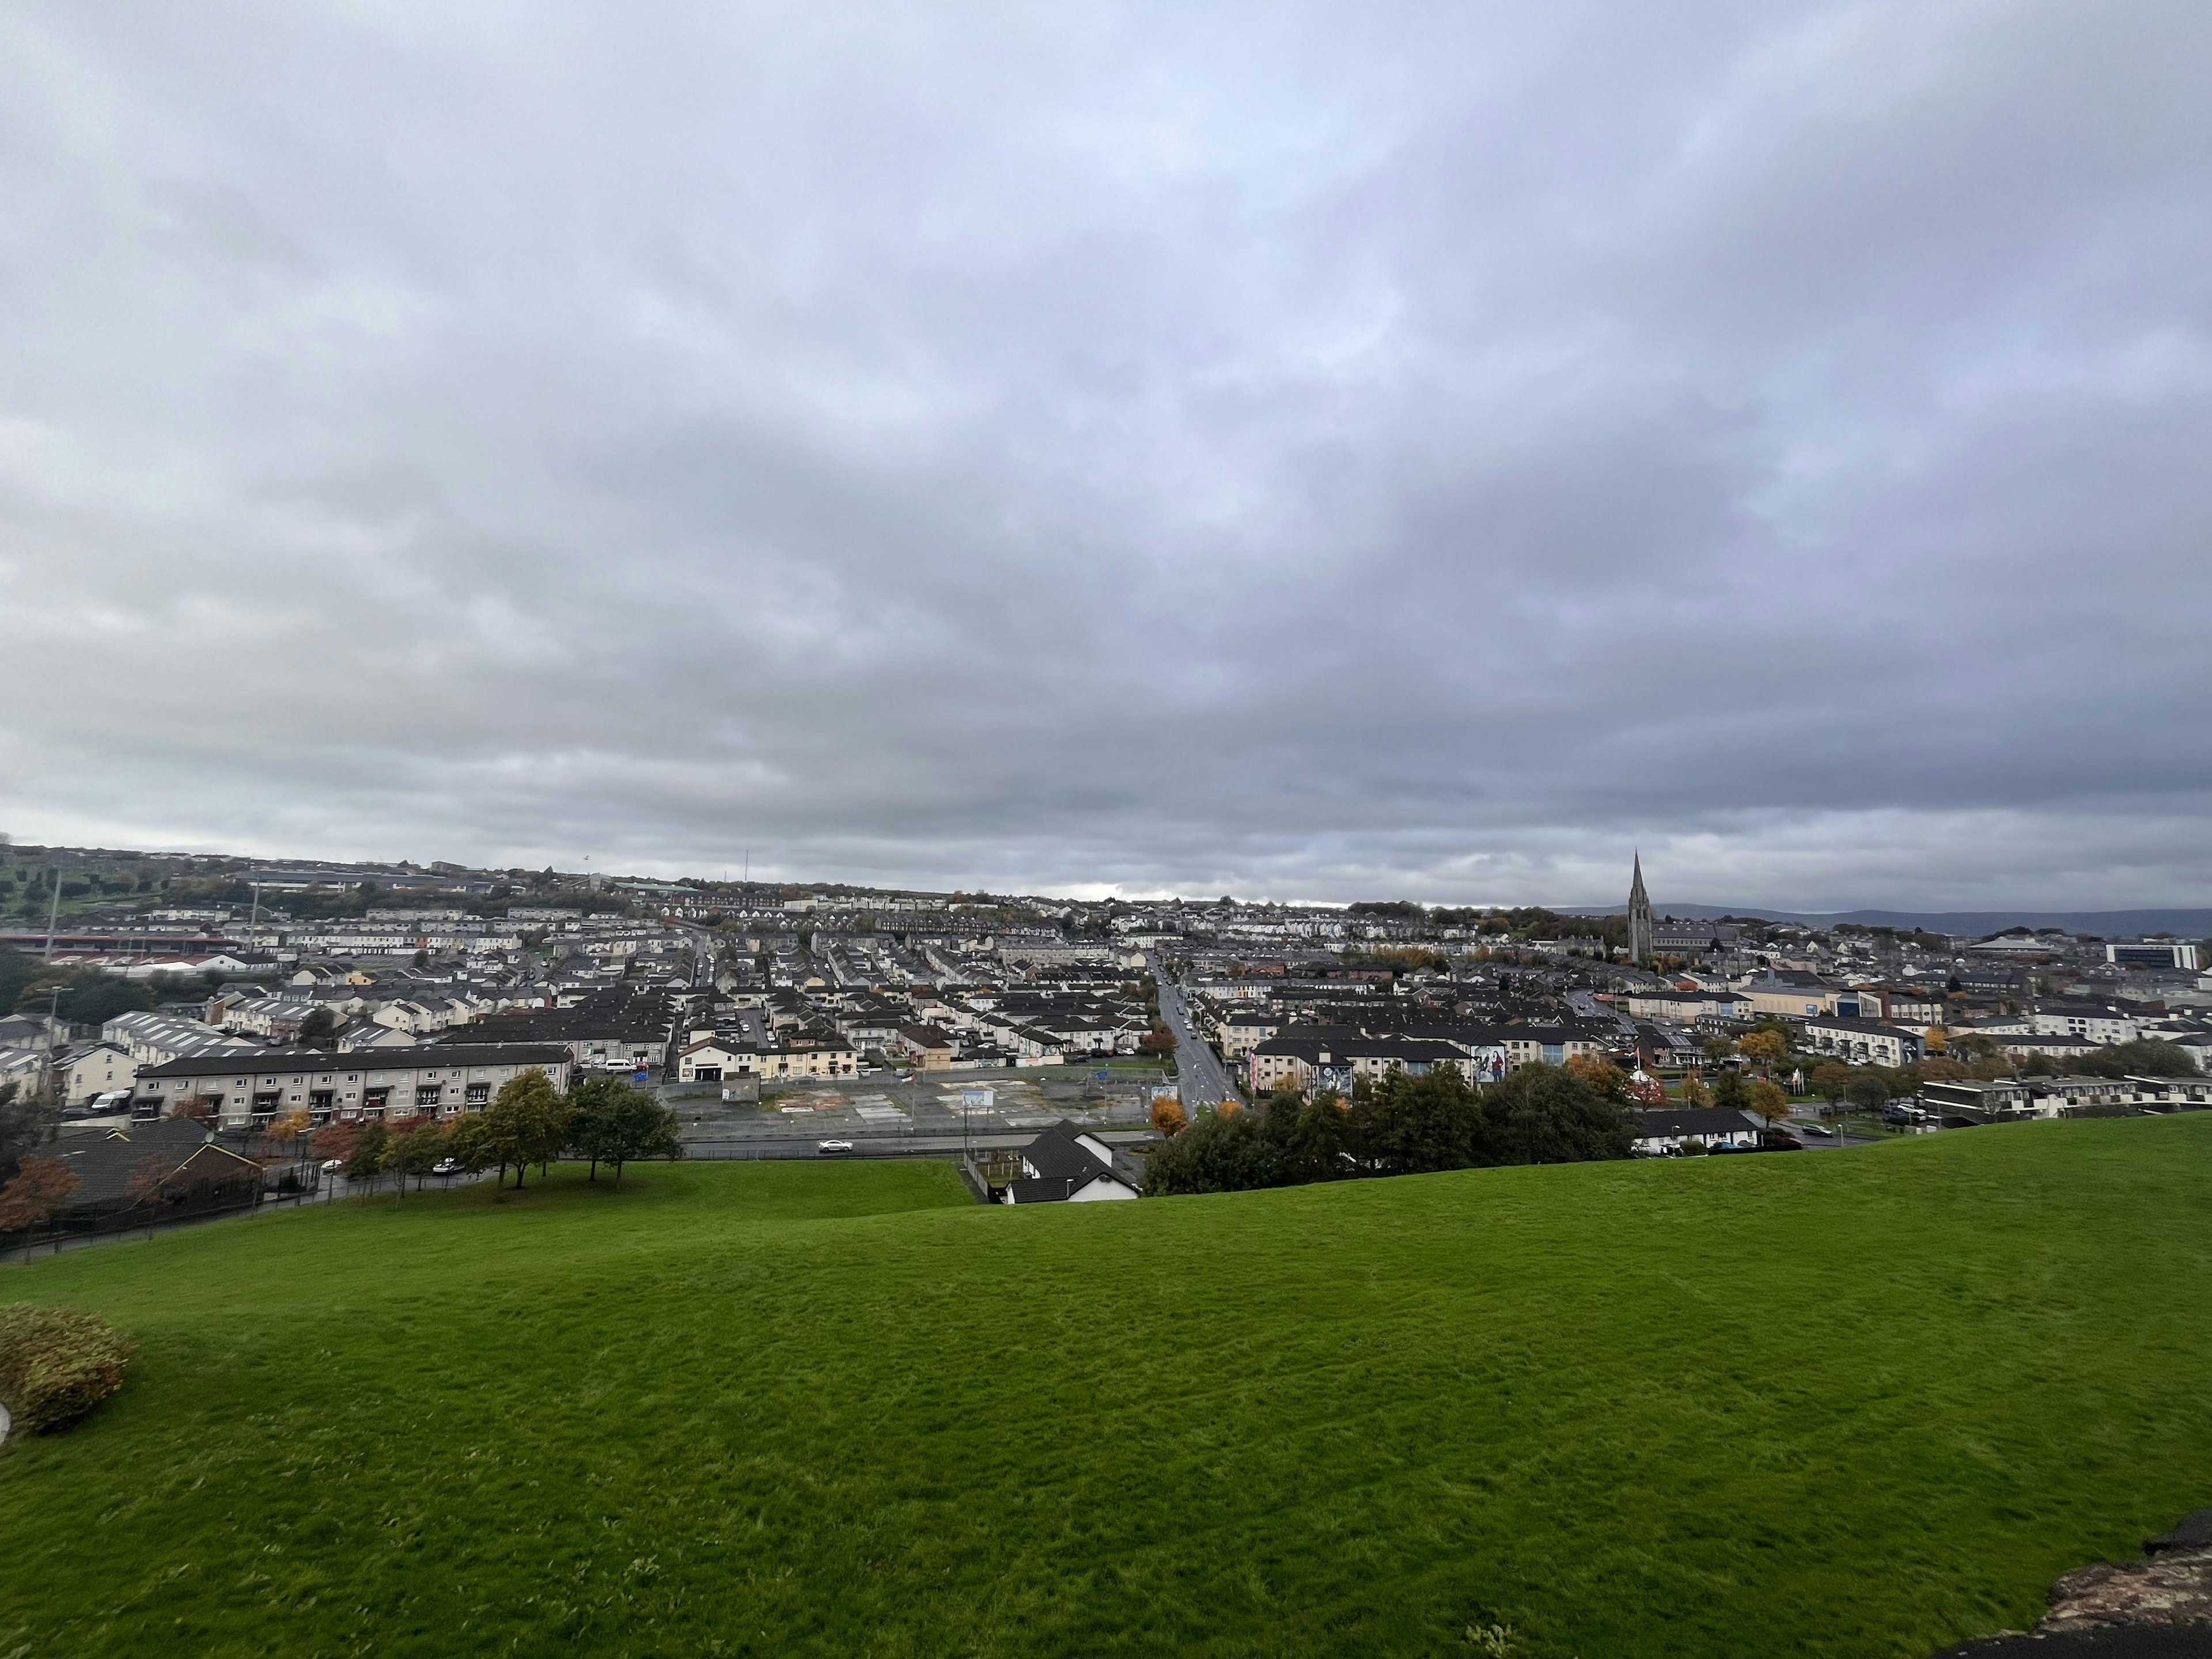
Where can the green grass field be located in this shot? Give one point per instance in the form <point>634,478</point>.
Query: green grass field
<point>1858,1404</point>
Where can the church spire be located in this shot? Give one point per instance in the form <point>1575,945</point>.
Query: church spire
<point>1640,916</point>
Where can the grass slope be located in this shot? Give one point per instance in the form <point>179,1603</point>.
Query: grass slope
<point>1858,1404</point>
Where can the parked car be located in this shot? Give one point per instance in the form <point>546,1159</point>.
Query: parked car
<point>831,1146</point>
<point>444,1166</point>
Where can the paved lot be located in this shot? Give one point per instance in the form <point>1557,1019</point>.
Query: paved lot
<point>937,1110</point>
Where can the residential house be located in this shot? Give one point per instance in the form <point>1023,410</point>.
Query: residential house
<point>147,1171</point>
<point>1664,1131</point>
<point>2101,1022</point>
<point>1866,1041</point>
<point>96,1069</point>
<point>929,1048</point>
<point>430,1079</point>
<point>1066,1165</point>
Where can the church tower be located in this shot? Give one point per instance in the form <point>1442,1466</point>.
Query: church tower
<point>1639,918</point>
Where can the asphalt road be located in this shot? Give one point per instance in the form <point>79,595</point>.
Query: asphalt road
<point>879,1146</point>
<point>1205,1084</point>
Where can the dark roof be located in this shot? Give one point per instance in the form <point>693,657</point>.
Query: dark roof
<point>107,1164</point>
<point>1056,1153</point>
<point>1868,1027</point>
<point>248,1062</point>
<point>1054,1189</point>
<point>1696,1121</point>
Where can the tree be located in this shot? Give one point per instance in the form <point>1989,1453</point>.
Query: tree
<point>336,1140</point>
<point>320,1030</point>
<point>2146,1057</point>
<point>416,1150</point>
<point>616,1121</point>
<point>292,1126</point>
<point>1418,1125</point>
<point>1221,1151</point>
<point>1766,1046</point>
<point>26,1121</point>
<point>1540,1115</point>
<point>371,1150</point>
<point>37,1191</point>
<point>1718,1048</point>
<point>1169,1117</point>
<point>1315,1139</point>
<point>1649,1092</point>
<point>1832,1080</point>
<point>467,1142</point>
<point>1694,1092</point>
<point>1768,1100</point>
<point>528,1123</point>
<point>1867,1091</point>
<point>1731,1093</point>
<point>1601,1074</point>
<point>89,997</point>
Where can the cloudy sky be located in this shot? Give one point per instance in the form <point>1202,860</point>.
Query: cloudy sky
<point>1327,451</point>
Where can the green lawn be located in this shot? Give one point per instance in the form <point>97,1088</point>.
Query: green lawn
<point>1858,1404</point>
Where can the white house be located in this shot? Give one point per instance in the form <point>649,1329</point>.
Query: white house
<point>1065,1165</point>
<point>1665,1130</point>
<point>1867,1042</point>
<point>2094,1021</point>
<point>712,1060</point>
<point>97,1069</point>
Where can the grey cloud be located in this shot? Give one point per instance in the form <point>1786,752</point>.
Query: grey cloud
<point>1289,449</point>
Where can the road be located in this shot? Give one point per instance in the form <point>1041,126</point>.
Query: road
<point>1205,1084</point>
<point>883,1145</point>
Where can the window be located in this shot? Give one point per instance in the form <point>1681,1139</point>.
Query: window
<point>479,1094</point>
<point>428,1094</point>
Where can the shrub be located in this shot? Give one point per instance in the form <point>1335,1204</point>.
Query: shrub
<point>56,1364</point>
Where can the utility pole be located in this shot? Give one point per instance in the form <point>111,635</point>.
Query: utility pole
<point>53,912</point>
<point>53,1016</point>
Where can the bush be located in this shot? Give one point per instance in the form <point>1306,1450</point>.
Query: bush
<point>56,1364</point>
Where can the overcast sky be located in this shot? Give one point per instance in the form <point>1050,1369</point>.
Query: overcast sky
<point>1365,451</point>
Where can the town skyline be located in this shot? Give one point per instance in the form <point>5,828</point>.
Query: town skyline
<point>1251,450</point>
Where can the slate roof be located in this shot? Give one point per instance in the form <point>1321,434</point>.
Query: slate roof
<point>1056,1153</point>
<point>261,1061</point>
<point>106,1163</point>
<point>1695,1121</point>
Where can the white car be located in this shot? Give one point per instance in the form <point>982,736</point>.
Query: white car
<point>831,1147</point>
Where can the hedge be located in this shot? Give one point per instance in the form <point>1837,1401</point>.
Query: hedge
<point>56,1364</point>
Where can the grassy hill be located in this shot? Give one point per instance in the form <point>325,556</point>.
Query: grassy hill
<point>1853,1404</point>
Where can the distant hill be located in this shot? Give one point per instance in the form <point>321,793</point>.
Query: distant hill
<point>2106,924</point>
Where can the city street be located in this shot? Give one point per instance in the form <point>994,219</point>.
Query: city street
<point>1206,1084</point>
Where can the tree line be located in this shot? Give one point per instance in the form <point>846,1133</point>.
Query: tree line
<point>601,1121</point>
<point>1401,1124</point>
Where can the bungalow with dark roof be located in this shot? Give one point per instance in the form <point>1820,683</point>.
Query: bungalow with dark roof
<point>1067,1165</point>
